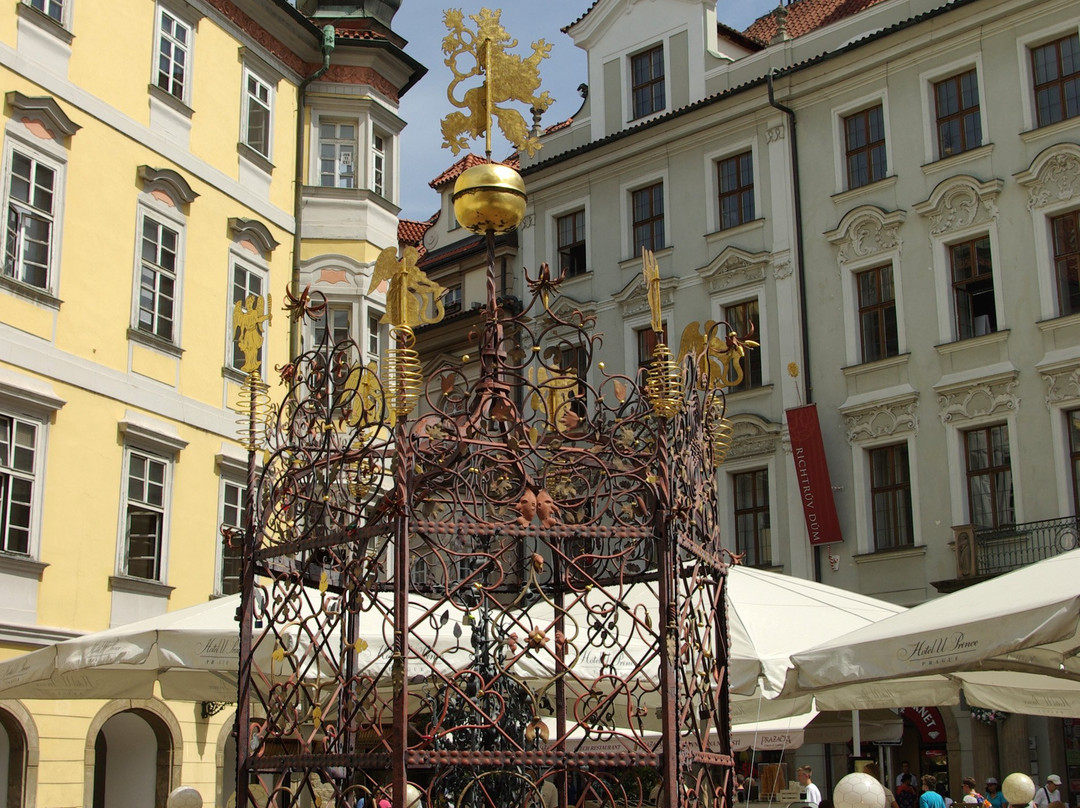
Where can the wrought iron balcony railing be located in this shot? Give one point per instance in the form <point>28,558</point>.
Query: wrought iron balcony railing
<point>984,551</point>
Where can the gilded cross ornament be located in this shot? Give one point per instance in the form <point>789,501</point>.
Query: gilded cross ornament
<point>506,77</point>
<point>249,314</point>
<point>412,299</point>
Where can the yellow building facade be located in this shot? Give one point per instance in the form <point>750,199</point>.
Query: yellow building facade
<point>157,182</point>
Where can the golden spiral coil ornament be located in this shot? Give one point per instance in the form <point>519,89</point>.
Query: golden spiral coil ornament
<point>663,383</point>
<point>253,408</point>
<point>718,429</point>
<point>401,377</point>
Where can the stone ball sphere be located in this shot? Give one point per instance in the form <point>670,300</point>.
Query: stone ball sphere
<point>858,790</point>
<point>489,198</point>
<point>1018,788</point>
<point>184,797</point>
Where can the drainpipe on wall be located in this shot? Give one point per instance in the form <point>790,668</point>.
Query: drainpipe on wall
<point>800,267</point>
<point>328,41</point>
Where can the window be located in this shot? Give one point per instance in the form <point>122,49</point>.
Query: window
<point>257,99</point>
<point>743,319</point>
<point>752,517</point>
<point>378,164</point>
<point>877,313</point>
<point>374,335</point>
<point>1056,67</point>
<point>959,125</point>
<point>28,241</point>
<point>51,8</point>
<point>338,319</point>
<point>646,342</point>
<point>647,82</point>
<point>864,146</point>
<point>735,179</point>
<point>173,54</point>
<point>1074,456</point>
<point>570,230</point>
<point>18,467</point>
<point>989,476</point>
<point>144,532</point>
<point>337,154</point>
<point>973,288</point>
<point>157,279</point>
<point>419,573</point>
<point>452,299</point>
<point>890,497</point>
<point>574,361</point>
<point>232,515</point>
<point>245,283</point>
<point>648,215</point>
<point>1066,230</point>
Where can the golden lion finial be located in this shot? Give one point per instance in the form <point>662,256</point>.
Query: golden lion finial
<point>507,77</point>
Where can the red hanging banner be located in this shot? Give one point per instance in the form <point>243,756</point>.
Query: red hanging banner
<point>812,476</point>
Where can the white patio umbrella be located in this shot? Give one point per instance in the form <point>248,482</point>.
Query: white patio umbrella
<point>1010,643</point>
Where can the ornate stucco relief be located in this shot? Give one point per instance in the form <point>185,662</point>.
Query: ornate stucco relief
<point>1054,176</point>
<point>960,202</point>
<point>882,418</point>
<point>977,399</point>
<point>732,268</point>
<point>866,231</point>
<point>1062,384</point>
<point>753,437</point>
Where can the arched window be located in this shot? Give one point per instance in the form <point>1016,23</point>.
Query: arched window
<point>132,755</point>
<point>18,756</point>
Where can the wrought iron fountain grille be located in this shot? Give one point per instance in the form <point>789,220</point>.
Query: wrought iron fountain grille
<point>512,597</point>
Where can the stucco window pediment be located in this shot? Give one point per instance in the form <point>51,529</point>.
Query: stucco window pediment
<point>960,202</point>
<point>1053,177</point>
<point>733,268</point>
<point>883,418</point>
<point>44,110</point>
<point>753,437</point>
<point>634,298</point>
<point>963,401</point>
<point>865,232</point>
<point>1062,382</point>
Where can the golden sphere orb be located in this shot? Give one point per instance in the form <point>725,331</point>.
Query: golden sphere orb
<point>489,198</point>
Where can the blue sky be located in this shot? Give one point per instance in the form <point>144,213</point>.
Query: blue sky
<point>424,106</point>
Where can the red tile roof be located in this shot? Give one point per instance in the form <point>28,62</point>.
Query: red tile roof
<point>355,33</point>
<point>465,163</point>
<point>805,16</point>
<point>411,232</point>
<point>555,127</point>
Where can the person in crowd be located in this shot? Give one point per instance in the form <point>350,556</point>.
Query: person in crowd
<point>905,768</point>
<point>906,796</point>
<point>968,784</point>
<point>875,771</point>
<point>929,797</point>
<point>1049,796</point>
<point>994,795</point>
<point>805,775</point>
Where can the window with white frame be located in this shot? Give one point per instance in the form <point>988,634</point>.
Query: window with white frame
<point>257,117</point>
<point>877,313</point>
<point>890,496</point>
<point>158,279</point>
<point>750,496</point>
<point>374,337</point>
<point>1066,238</point>
<point>647,217</point>
<point>452,299</point>
<point>233,495</point>
<point>247,283</point>
<point>971,272</point>
<point>31,216</point>
<point>145,514</point>
<point>1056,79</point>
<point>50,8</point>
<point>1073,417</point>
<point>958,114</point>
<point>172,58</point>
<point>987,463</point>
<point>378,163</point>
<point>337,153</point>
<point>864,146</point>
<point>743,318</point>
<point>735,185</point>
<point>337,319</point>
<point>19,471</point>
<point>647,82</point>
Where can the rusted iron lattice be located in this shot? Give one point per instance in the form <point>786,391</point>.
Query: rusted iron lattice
<point>513,597</point>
